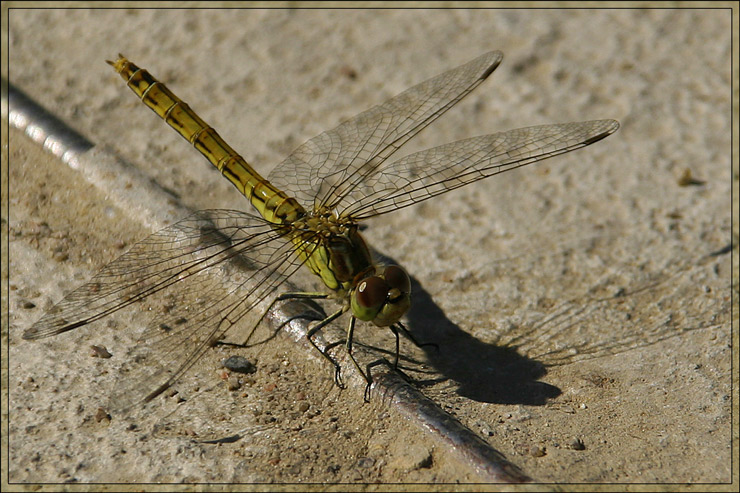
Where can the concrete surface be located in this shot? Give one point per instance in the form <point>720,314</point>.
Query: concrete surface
<point>581,305</point>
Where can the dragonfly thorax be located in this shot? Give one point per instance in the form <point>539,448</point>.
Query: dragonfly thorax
<point>333,249</point>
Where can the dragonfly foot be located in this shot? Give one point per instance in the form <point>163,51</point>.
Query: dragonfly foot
<point>338,377</point>
<point>366,395</point>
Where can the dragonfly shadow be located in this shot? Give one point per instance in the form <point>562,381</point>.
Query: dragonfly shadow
<point>483,372</point>
<point>631,308</point>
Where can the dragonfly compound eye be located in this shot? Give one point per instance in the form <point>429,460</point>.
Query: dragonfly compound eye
<point>397,278</point>
<point>369,297</point>
<point>372,292</point>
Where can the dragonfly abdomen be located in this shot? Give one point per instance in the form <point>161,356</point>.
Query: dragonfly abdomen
<point>274,205</point>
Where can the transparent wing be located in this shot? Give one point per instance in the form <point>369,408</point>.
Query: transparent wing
<point>428,173</point>
<point>209,269</point>
<point>325,169</point>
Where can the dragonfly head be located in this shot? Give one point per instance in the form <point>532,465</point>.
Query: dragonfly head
<point>382,299</point>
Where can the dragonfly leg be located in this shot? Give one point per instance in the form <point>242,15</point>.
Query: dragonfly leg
<point>291,296</point>
<point>295,296</point>
<point>350,335</point>
<point>318,327</point>
<point>394,329</point>
<point>411,337</point>
<point>299,295</point>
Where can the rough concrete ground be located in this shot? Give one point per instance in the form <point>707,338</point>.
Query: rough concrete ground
<point>581,306</point>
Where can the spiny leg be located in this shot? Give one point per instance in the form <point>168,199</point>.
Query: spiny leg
<point>350,335</point>
<point>394,329</point>
<point>366,375</point>
<point>313,330</point>
<point>318,327</point>
<point>411,337</point>
<point>298,295</point>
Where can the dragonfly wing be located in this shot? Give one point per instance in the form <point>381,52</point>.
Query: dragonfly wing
<point>325,169</point>
<point>428,173</point>
<point>220,264</point>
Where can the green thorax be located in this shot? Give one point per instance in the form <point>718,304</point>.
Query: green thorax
<point>333,249</point>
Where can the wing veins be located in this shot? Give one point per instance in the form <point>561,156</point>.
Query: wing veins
<point>395,186</point>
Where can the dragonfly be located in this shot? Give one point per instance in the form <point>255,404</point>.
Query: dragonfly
<point>309,212</point>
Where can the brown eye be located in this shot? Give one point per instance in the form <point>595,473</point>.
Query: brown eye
<point>372,292</point>
<point>397,278</point>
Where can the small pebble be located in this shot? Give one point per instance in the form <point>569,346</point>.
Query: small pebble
<point>239,364</point>
<point>99,352</point>
<point>27,305</point>
<point>687,179</point>
<point>101,415</point>
<point>577,444</point>
<point>537,451</point>
<point>233,383</point>
<point>366,462</point>
<point>60,256</point>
